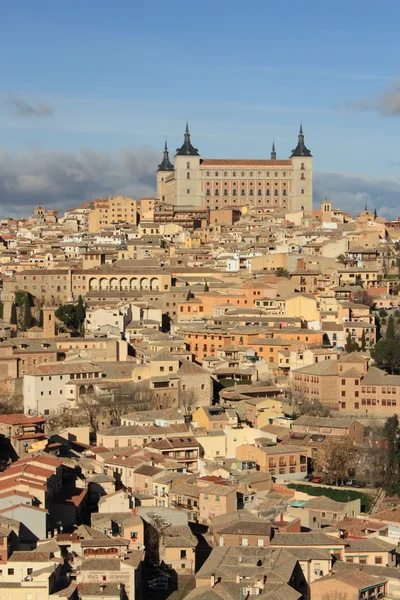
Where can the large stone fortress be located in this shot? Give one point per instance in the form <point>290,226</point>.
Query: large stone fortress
<point>215,183</point>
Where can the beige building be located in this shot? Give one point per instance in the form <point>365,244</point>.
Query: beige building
<point>217,183</point>
<point>215,500</point>
<point>109,211</point>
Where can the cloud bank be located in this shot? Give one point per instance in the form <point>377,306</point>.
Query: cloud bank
<point>60,179</point>
<point>386,102</point>
<point>353,192</point>
<point>16,106</point>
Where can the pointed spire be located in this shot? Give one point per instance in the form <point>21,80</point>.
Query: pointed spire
<point>165,164</point>
<point>301,149</point>
<point>273,153</point>
<point>187,149</point>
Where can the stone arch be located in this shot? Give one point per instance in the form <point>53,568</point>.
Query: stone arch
<point>93,284</point>
<point>154,283</point>
<point>134,283</point>
<point>104,284</point>
<point>82,390</point>
<point>124,283</point>
<point>144,284</point>
<point>90,389</point>
<point>114,284</point>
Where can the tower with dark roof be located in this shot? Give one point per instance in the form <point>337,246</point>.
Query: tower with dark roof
<point>301,149</point>
<point>187,173</point>
<point>164,172</point>
<point>273,153</point>
<point>187,149</point>
<point>165,164</point>
<point>302,182</point>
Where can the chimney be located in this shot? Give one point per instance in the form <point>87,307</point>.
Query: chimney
<point>212,579</point>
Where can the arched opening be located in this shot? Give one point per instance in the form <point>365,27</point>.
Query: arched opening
<point>104,285</point>
<point>82,390</point>
<point>93,284</point>
<point>154,284</point>
<point>144,284</point>
<point>114,285</point>
<point>134,283</point>
<point>124,284</point>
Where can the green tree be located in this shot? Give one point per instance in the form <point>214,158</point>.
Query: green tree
<point>363,341</point>
<point>375,214</point>
<point>189,296</point>
<point>40,320</point>
<point>1,309</point>
<point>80,313</point>
<point>390,330</point>
<point>26,313</point>
<point>281,272</point>
<point>206,287</point>
<point>392,438</point>
<point>67,314</point>
<point>350,345</point>
<point>386,355</point>
<point>13,318</point>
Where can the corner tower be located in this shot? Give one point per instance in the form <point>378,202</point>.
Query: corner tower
<point>164,172</point>
<point>302,161</point>
<point>187,173</point>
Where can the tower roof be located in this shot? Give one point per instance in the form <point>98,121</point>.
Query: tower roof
<point>165,164</point>
<point>301,149</point>
<point>187,149</point>
<point>273,152</point>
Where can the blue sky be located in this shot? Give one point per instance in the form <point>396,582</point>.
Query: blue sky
<point>110,76</point>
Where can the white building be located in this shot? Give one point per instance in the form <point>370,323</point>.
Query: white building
<point>48,387</point>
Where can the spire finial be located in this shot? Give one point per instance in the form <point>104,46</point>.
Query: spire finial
<point>301,128</point>
<point>187,133</point>
<point>273,153</point>
<point>166,145</point>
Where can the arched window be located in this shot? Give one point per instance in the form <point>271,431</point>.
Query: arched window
<point>208,173</point>
<point>284,173</point>
<point>242,173</point>
<point>225,173</point>
<point>251,173</point>
<point>216,173</point>
<point>234,174</point>
<point>276,173</point>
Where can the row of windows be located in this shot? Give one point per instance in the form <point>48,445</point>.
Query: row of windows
<point>244,193</point>
<point>244,173</point>
<point>216,183</point>
<point>259,201</point>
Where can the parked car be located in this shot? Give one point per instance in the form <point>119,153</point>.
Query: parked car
<point>358,484</point>
<point>316,479</point>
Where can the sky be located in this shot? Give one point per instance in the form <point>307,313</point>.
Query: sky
<point>89,90</point>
